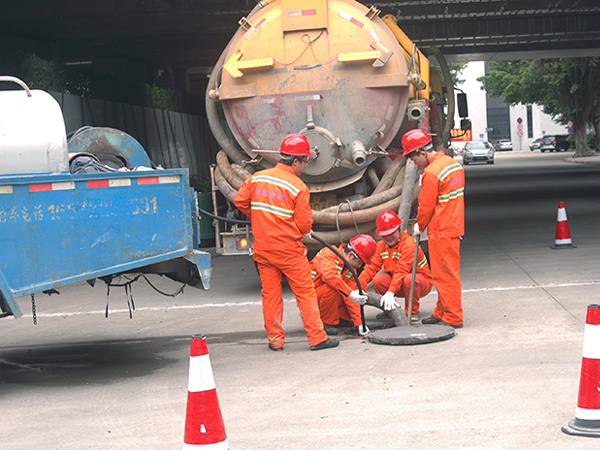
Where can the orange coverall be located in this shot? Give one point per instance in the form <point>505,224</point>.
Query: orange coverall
<point>442,212</point>
<point>397,263</point>
<point>333,282</point>
<point>277,202</point>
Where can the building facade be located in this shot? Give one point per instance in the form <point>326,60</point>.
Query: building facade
<point>492,119</point>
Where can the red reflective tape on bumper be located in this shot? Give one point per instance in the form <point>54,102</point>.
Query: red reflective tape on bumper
<point>97,183</point>
<point>148,180</point>
<point>41,187</point>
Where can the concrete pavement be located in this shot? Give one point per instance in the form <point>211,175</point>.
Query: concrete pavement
<point>508,380</point>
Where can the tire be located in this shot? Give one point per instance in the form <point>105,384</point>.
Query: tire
<point>542,150</point>
<point>465,163</point>
<point>489,162</point>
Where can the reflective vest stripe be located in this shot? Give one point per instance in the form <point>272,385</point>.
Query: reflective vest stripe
<point>257,206</point>
<point>448,170</point>
<point>277,182</point>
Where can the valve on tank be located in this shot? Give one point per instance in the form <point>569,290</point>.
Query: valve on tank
<point>359,153</point>
<point>417,110</point>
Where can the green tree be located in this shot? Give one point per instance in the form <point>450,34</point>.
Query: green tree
<point>566,88</point>
<point>455,72</point>
<point>84,81</point>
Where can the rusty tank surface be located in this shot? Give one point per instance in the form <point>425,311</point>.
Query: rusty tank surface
<point>351,82</point>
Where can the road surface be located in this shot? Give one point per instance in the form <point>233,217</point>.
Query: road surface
<point>508,380</point>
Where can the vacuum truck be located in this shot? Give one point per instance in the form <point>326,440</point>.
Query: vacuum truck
<point>353,83</point>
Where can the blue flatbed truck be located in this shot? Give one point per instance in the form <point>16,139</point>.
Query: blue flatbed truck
<point>59,228</point>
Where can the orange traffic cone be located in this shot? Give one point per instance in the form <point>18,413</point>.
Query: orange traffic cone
<point>203,420</point>
<point>563,235</point>
<point>587,413</point>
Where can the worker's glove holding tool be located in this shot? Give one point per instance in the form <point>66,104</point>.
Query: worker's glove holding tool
<point>388,301</point>
<point>363,330</point>
<point>357,297</point>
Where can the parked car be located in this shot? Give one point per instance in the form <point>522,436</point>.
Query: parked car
<point>478,151</point>
<point>504,144</point>
<point>554,143</point>
<point>535,145</point>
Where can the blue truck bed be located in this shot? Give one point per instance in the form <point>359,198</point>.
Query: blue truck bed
<point>58,229</point>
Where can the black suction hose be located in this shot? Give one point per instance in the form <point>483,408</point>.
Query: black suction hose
<point>360,291</point>
<point>223,219</point>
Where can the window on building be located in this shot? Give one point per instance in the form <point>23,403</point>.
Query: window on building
<point>499,120</point>
<point>529,121</point>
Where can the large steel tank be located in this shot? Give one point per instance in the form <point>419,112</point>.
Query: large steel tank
<point>335,71</point>
<point>323,69</point>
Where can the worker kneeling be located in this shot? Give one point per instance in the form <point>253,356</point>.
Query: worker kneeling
<point>396,253</point>
<point>337,292</point>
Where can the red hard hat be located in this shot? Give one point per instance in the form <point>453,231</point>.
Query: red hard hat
<point>413,140</point>
<point>387,222</point>
<point>364,246</point>
<point>295,145</point>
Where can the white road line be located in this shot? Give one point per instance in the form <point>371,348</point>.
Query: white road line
<point>258,303</point>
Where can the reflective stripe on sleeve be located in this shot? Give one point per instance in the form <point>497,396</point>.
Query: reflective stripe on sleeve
<point>448,170</point>
<point>451,196</point>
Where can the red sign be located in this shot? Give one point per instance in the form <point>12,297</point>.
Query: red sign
<point>458,135</point>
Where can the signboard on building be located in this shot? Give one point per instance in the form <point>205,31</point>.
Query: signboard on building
<point>458,135</point>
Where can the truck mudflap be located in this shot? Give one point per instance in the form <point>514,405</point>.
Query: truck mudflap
<point>202,261</point>
<point>60,229</point>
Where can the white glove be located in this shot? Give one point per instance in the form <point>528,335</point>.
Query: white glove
<point>308,235</point>
<point>356,297</point>
<point>416,230</point>
<point>363,330</point>
<point>388,301</point>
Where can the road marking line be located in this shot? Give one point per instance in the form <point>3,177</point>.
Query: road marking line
<point>259,303</point>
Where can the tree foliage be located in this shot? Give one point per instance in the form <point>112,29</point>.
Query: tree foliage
<point>566,88</point>
<point>455,68</point>
<point>87,82</point>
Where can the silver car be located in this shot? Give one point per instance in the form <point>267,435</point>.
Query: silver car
<point>504,144</point>
<point>478,151</point>
<point>535,145</point>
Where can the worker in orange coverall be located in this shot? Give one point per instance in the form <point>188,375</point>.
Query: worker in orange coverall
<point>339,298</point>
<point>277,202</point>
<point>442,212</point>
<point>396,253</point>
